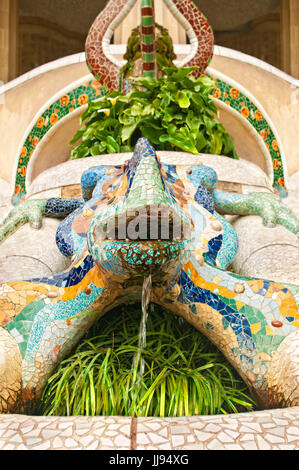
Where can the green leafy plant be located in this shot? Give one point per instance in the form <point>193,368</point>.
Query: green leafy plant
<point>184,374</point>
<point>175,112</point>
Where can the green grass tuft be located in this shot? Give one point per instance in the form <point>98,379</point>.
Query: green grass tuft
<point>184,373</point>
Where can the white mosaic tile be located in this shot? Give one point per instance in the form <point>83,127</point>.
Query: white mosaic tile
<point>229,432</point>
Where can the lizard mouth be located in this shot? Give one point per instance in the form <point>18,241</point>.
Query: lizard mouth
<point>154,239</point>
<point>145,224</point>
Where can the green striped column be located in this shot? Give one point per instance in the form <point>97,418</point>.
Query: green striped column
<point>148,38</point>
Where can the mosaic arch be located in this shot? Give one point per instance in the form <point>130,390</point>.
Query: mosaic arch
<point>91,89</point>
<point>105,68</point>
<point>239,99</point>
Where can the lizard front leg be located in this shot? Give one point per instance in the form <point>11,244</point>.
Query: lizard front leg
<point>32,211</point>
<point>266,205</point>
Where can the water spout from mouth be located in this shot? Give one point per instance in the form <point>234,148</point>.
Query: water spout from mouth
<point>146,292</point>
<point>138,365</point>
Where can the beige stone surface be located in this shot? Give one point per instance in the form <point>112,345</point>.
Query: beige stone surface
<point>247,144</point>
<point>10,371</point>
<point>269,253</point>
<point>283,377</point>
<point>263,430</point>
<point>266,253</point>
<point>69,173</point>
<point>31,253</point>
<point>292,201</point>
<point>55,147</point>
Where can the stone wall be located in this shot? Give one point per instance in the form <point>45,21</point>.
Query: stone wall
<point>260,38</point>
<point>41,41</point>
<point>4,28</point>
<point>8,39</point>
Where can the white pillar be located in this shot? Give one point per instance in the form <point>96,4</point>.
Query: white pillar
<point>290,36</point>
<point>9,19</point>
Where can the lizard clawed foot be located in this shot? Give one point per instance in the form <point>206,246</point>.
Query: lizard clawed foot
<point>273,212</point>
<point>29,211</point>
<point>266,205</point>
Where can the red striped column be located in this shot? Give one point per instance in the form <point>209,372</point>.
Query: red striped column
<point>148,52</point>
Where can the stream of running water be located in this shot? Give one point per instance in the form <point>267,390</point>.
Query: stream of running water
<point>138,361</point>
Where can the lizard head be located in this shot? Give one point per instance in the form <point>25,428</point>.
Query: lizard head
<point>142,228</point>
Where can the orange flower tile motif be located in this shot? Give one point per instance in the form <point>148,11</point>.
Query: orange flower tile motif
<point>234,93</point>
<point>35,141</point>
<point>40,122</point>
<point>264,134</point>
<point>23,171</point>
<point>275,164</point>
<point>258,115</point>
<point>245,112</point>
<point>281,182</point>
<point>64,100</point>
<point>54,118</point>
<point>96,85</point>
<point>23,152</point>
<point>83,99</point>
<point>217,93</point>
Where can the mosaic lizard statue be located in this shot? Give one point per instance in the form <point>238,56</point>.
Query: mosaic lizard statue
<point>254,322</point>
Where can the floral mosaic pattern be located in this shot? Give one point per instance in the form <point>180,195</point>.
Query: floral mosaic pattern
<point>66,104</point>
<point>243,105</point>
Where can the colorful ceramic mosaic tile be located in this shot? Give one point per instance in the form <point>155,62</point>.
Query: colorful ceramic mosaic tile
<point>106,71</point>
<point>243,105</point>
<point>199,30</point>
<point>115,237</point>
<point>148,38</point>
<point>97,61</point>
